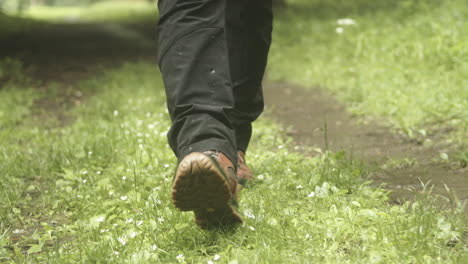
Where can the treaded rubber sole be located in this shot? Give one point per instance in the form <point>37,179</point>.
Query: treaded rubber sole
<point>201,187</point>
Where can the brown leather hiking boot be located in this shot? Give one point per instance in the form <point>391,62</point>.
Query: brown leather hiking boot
<point>206,184</point>
<point>244,173</point>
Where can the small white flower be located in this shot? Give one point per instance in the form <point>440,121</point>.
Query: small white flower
<point>260,177</point>
<point>140,146</point>
<point>111,193</point>
<point>160,219</point>
<point>166,165</point>
<point>355,203</point>
<point>133,234</point>
<point>84,172</point>
<point>339,30</point>
<point>124,178</point>
<point>101,219</point>
<point>280,146</point>
<point>139,223</point>
<point>123,198</point>
<point>252,228</point>
<point>216,257</point>
<point>180,258</point>
<point>104,230</point>
<point>19,231</point>
<point>98,172</point>
<point>115,253</point>
<point>154,247</point>
<point>249,214</point>
<point>307,236</point>
<point>115,225</point>
<point>210,262</point>
<point>116,113</point>
<point>90,153</point>
<point>130,220</point>
<point>151,126</point>
<point>84,181</point>
<point>299,187</point>
<point>123,240</point>
<point>346,22</point>
<point>310,195</point>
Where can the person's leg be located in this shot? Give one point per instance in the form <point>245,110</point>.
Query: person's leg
<point>193,58</point>
<point>248,32</point>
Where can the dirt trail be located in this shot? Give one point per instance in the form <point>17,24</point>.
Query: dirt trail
<point>71,52</point>
<point>401,164</point>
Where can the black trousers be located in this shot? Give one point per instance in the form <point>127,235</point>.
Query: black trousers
<point>212,55</point>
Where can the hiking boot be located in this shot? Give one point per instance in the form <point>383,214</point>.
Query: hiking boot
<point>244,173</point>
<point>206,184</point>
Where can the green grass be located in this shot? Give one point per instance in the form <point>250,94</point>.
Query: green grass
<point>98,191</point>
<point>402,61</point>
<point>105,11</point>
<point>10,25</point>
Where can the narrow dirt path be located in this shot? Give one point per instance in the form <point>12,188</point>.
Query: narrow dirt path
<point>66,53</point>
<point>400,164</point>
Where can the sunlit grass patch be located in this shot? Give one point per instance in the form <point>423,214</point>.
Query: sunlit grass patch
<point>105,11</point>
<point>98,190</point>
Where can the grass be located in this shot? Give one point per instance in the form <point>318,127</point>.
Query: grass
<point>405,62</point>
<point>103,11</point>
<point>10,25</point>
<point>98,190</point>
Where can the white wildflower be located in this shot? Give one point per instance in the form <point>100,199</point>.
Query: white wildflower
<point>310,195</point>
<point>19,231</point>
<point>252,228</point>
<point>160,219</point>
<point>180,258</point>
<point>123,240</point>
<point>210,262</point>
<point>299,187</point>
<point>154,247</point>
<point>139,223</point>
<point>116,113</point>
<point>339,30</point>
<point>130,220</point>
<point>133,234</point>
<point>124,178</point>
<point>260,177</point>
<point>123,198</point>
<point>101,219</point>
<point>166,165</point>
<point>84,181</point>
<point>249,214</point>
<point>346,22</point>
<point>216,257</point>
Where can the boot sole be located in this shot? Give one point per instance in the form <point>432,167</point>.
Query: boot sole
<point>200,186</point>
